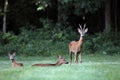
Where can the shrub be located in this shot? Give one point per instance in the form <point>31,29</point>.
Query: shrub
<point>36,42</point>
<point>102,43</point>
<point>43,42</point>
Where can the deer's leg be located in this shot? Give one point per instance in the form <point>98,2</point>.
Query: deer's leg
<point>75,58</point>
<point>80,57</point>
<point>70,53</point>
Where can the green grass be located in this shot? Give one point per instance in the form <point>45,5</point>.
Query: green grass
<point>94,67</point>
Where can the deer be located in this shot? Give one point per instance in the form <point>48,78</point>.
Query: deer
<point>60,61</point>
<point>76,46</point>
<point>14,63</point>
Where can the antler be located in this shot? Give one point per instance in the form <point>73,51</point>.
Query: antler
<point>80,26</point>
<point>84,26</point>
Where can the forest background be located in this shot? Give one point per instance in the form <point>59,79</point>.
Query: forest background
<point>46,27</point>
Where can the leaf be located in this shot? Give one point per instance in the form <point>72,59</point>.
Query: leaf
<point>40,8</point>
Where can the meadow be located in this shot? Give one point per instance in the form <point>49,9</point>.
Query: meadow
<point>94,67</point>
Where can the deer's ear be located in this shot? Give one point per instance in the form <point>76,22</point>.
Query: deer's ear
<point>86,30</point>
<point>59,56</point>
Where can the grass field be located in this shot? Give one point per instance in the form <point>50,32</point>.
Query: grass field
<point>94,67</point>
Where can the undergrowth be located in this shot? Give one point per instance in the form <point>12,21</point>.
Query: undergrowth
<point>45,42</point>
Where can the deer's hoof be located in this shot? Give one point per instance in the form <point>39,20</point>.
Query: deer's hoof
<point>80,61</point>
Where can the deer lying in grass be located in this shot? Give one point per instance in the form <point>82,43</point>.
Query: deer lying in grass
<point>14,63</point>
<point>76,46</point>
<point>58,63</point>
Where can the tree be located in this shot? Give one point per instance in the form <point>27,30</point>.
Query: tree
<point>68,8</point>
<point>1,13</point>
<point>5,15</point>
<point>115,14</point>
<point>107,16</point>
<point>22,13</point>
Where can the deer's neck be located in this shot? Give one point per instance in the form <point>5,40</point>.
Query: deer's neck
<point>13,63</point>
<point>58,63</point>
<point>12,60</point>
<point>80,42</point>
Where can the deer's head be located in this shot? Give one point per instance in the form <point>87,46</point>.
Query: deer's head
<point>11,56</point>
<point>83,30</point>
<point>62,60</point>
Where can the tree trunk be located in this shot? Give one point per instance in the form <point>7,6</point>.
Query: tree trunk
<point>115,14</point>
<point>59,11</point>
<point>107,16</point>
<point>5,15</point>
<point>59,14</point>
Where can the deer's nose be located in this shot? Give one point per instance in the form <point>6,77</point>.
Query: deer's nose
<point>67,62</point>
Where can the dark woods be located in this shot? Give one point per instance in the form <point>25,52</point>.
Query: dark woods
<point>31,27</point>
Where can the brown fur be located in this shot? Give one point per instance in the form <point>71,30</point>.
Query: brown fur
<point>58,63</point>
<point>76,46</point>
<point>15,64</point>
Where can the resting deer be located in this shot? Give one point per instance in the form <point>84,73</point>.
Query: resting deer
<point>76,46</point>
<point>14,63</point>
<point>58,63</point>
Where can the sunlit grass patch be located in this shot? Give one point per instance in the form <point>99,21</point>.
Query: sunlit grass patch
<point>92,68</point>
<point>73,72</point>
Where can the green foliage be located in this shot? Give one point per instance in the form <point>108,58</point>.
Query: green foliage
<point>86,6</point>
<point>37,42</point>
<point>46,42</point>
<point>47,23</point>
<point>81,7</point>
<point>102,43</point>
<point>6,44</point>
<point>8,36</point>
<point>41,5</point>
<point>56,32</point>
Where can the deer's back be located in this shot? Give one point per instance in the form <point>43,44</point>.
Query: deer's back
<point>17,64</point>
<point>43,65</point>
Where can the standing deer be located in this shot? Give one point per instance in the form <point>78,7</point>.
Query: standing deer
<point>76,46</point>
<point>58,63</point>
<point>14,63</point>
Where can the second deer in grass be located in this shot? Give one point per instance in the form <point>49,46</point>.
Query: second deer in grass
<point>58,63</point>
<point>76,46</point>
<point>14,63</point>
